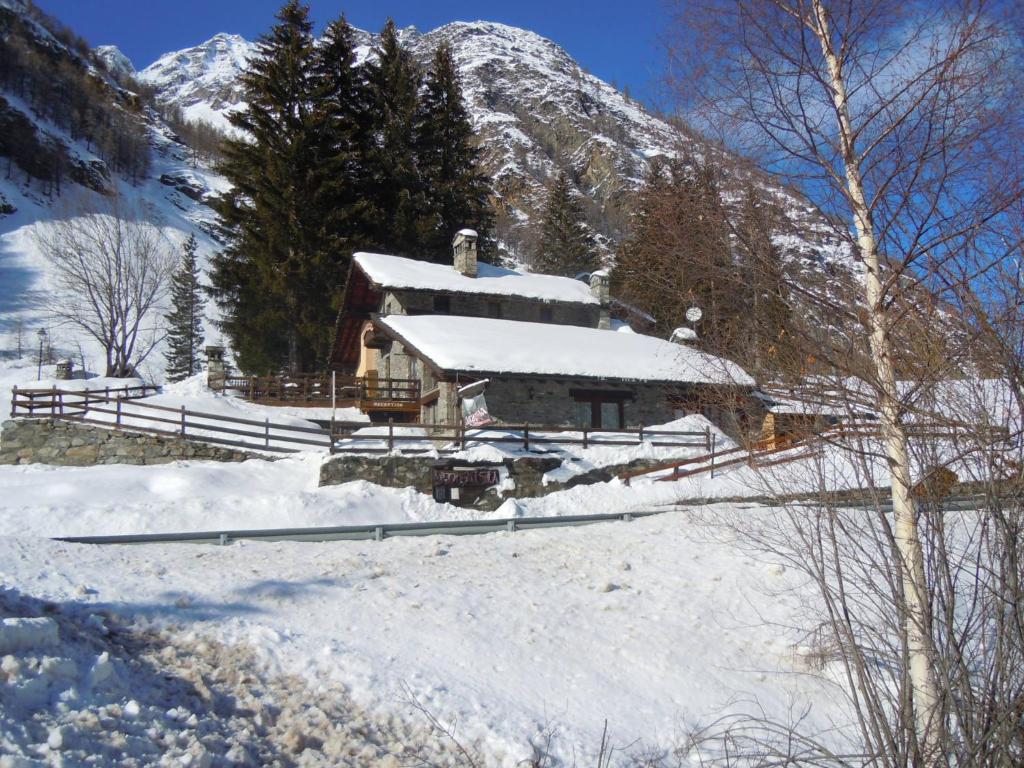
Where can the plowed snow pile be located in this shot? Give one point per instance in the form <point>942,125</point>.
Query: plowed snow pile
<point>75,689</point>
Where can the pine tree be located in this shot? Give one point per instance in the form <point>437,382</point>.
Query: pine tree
<point>264,277</point>
<point>566,247</point>
<point>342,122</point>
<point>765,324</point>
<point>395,188</point>
<point>679,255</point>
<point>457,192</point>
<point>185,322</point>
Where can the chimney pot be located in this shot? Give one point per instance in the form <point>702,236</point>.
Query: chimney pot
<point>216,371</point>
<point>464,247</point>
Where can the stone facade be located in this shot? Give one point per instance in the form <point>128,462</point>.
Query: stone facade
<point>67,444</point>
<point>526,473</point>
<point>499,307</point>
<point>551,401</point>
<point>417,471</point>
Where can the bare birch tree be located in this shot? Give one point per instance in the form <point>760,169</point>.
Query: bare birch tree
<point>898,119</point>
<point>111,265</point>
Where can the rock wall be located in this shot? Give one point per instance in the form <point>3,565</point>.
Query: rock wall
<point>67,444</point>
<point>526,475</point>
<point>550,401</point>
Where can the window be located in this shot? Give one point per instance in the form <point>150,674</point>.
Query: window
<point>583,412</point>
<point>600,409</point>
<point>442,305</point>
<point>494,309</point>
<point>414,368</point>
<point>547,315</point>
<point>611,415</point>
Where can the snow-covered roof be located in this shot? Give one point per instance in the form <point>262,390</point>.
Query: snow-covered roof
<point>399,272</point>
<point>797,406</point>
<point>455,343</point>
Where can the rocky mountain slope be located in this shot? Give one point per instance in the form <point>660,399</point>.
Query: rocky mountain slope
<point>79,174</point>
<point>536,111</point>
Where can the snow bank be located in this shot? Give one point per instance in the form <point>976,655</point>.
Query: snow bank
<point>24,634</point>
<point>101,693</point>
<point>41,500</point>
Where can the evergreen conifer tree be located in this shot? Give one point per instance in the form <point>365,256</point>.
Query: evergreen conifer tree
<point>457,192</point>
<point>395,189</point>
<point>265,277</point>
<point>680,254</point>
<point>566,247</point>
<point>342,123</point>
<point>185,322</point>
<point>766,324</point>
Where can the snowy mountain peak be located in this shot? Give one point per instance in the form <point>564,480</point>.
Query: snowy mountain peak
<point>117,63</point>
<point>535,110</point>
<point>203,80</point>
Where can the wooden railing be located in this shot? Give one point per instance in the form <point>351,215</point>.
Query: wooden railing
<point>459,436</point>
<point>31,400</point>
<point>316,389</point>
<point>115,411</point>
<point>762,453</point>
<point>95,407</point>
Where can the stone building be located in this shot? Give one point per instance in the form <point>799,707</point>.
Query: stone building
<point>524,347</point>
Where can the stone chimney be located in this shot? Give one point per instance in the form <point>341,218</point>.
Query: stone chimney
<point>215,371</point>
<point>599,286</point>
<point>683,335</point>
<point>464,246</point>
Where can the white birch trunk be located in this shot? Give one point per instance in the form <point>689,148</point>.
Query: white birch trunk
<point>925,700</point>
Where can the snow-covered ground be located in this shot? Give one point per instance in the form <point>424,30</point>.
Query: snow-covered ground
<point>504,638</point>
<point>379,653</point>
<point>42,500</point>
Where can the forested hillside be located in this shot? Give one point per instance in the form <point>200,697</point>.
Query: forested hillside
<point>50,79</point>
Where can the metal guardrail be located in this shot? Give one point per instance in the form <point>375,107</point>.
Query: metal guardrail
<point>372,532</point>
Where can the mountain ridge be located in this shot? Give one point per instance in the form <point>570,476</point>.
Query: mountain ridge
<point>536,111</point>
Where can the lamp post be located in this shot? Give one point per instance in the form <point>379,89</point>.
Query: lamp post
<point>42,340</point>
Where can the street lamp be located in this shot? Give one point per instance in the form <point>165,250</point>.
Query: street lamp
<point>42,340</point>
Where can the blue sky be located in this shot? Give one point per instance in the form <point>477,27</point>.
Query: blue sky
<point>617,41</point>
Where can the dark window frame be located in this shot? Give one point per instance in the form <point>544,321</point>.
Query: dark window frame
<point>596,398</point>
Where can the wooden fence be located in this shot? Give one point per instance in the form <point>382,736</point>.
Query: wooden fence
<point>51,400</point>
<point>459,436</point>
<point>763,453</point>
<point>95,407</point>
<point>116,411</point>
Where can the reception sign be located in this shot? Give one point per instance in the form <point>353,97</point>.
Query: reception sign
<point>480,477</point>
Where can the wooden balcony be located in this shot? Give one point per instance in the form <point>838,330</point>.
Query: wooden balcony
<point>368,393</point>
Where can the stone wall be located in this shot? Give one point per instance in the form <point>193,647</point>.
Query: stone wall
<point>417,472</point>
<point>526,473</point>
<point>65,443</point>
<point>504,307</point>
<point>550,401</point>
